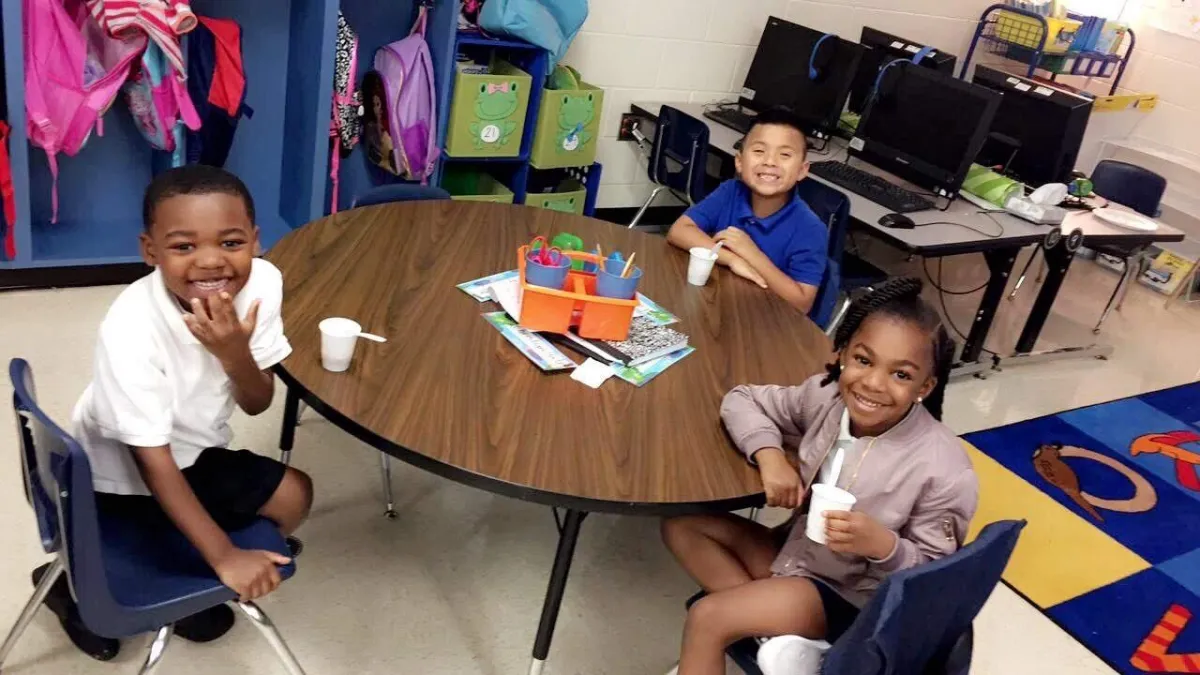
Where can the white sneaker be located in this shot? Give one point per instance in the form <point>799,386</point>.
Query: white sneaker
<point>791,655</point>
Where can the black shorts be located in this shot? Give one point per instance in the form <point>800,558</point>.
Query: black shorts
<point>839,613</point>
<point>232,485</point>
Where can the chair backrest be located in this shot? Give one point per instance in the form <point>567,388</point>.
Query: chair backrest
<point>832,206</point>
<point>679,156</point>
<point>399,192</point>
<point>58,479</point>
<point>918,615</point>
<point>1130,185</point>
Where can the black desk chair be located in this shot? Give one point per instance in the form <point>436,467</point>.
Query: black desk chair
<point>1131,186</point>
<point>678,159</point>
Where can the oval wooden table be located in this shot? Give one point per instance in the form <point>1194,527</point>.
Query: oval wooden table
<point>449,394</point>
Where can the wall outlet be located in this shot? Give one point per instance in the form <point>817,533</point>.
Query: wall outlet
<point>629,122</point>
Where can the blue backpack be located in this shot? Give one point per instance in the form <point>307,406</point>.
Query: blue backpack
<point>550,24</point>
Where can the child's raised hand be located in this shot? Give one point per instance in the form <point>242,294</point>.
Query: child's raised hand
<point>856,533</point>
<point>216,325</point>
<point>780,479</point>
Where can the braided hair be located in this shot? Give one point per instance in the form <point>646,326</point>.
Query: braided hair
<point>900,298</point>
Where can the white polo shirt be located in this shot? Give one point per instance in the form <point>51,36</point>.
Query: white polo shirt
<point>155,384</point>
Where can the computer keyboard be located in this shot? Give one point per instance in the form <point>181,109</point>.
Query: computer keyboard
<point>731,117</point>
<point>872,187</point>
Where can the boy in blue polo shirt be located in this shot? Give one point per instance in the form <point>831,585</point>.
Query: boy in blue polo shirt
<point>771,236</point>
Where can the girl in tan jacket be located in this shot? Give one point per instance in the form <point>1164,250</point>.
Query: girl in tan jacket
<point>880,405</point>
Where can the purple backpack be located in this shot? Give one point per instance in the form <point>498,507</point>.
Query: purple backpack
<point>409,102</point>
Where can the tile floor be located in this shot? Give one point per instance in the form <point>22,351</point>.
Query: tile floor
<point>456,583</point>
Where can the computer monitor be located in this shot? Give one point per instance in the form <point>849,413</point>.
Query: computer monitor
<point>880,49</point>
<point>782,72</point>
<point>925,127</point>
<point>1038,129</point>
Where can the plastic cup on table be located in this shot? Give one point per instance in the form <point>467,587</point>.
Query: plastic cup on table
<point>700,266</point>
<point>825,497</point>
<point>548,276</point>
<point>338,338</point>
<point>610,284</point>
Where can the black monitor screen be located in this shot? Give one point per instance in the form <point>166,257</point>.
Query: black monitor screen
<point>926,126</point>
<point>779,74</point>
<point>1038,130</point>
<point>881,48</point>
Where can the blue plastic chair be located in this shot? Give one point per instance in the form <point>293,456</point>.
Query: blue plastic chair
<point>381,194</point>
<point>919,621</point>
<point>127,578</point>
<point>833,208</point>
<point>678,158</point>
<point>398,192</point>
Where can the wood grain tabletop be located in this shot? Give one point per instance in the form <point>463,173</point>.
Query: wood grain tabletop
<point>449,394</point>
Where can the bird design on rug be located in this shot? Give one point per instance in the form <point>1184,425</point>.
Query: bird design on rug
<point>1168,445</point>
<point>1048,462</point>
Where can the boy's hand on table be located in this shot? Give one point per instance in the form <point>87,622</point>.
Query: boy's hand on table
<point>216,325</point>
<point>780,479</point>
<point>857,533</point>
<point>743,269</point>
<point>251,574</point>
<point>739,242</point>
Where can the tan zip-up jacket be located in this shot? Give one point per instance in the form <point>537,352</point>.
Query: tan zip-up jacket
<point>915,479</point>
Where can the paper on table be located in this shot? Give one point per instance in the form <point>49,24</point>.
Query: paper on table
<point>478,288</point>
<point>592,373</point>
<point>508,294</point>
<point>645,372</point>
<point>535,347</point>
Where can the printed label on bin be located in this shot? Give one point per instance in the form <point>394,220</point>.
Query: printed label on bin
<point>897,45</point>
<point>749,93</point>
<point>912,49</point>
<point>857,143</point>
<point>570,143</point>
<point>1013,81</point>
<point>1044,91</point>
<point>490,134</point>
<point>1023,87</point>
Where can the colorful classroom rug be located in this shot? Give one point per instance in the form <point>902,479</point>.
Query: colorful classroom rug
<point>1112,549</point>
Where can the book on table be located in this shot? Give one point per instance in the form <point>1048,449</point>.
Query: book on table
<point>647,341</point>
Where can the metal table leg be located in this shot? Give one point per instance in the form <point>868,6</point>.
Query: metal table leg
<point>1058,262</point>
<point>1000,264</point>
<point>287,435</point>
<point>568,535</point>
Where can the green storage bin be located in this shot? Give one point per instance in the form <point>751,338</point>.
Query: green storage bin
<point>475,186</point>
<point>567,126</point>
<point>487,116</point>
<point>568,197</point>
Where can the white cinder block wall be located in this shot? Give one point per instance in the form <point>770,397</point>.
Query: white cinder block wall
<point>1168,64</point>
<point>699,51</point>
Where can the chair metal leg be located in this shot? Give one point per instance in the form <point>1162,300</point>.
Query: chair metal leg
<point>287,431</point>
<point>157,648</point>
<point>31,608</point>
<point>1041,274</point>
<point>649,200</point>
<point>385,469</point>
<point>1025,273</point>
<point>1138,262</point>
<point>1112,300</point>
<point>840,314</point>
<point>264,626</point>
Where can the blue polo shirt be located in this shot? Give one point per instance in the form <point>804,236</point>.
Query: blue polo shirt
<point>793,237</point>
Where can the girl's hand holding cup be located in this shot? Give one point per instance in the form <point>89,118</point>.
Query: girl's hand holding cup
<point>856,533</point>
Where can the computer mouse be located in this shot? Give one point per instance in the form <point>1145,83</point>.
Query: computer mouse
<point>897,221</point>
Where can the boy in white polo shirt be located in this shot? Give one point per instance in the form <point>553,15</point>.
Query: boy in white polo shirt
<point>177,350</point>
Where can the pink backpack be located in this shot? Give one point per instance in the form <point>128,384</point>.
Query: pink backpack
<point>73,72</point>
<point>406,69</point>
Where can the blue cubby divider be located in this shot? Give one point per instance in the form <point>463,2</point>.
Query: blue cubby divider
<point>282,152</point>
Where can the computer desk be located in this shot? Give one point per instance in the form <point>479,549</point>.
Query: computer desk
<point>952,236</point>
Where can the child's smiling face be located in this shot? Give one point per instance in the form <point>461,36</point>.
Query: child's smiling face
<point>204,244</point>
<point>772,160</point>
<point>887,366</point>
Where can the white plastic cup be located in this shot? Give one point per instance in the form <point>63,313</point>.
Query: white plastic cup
<point>701,265</point>
<point>825,498</point>
<point>338,337</point>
